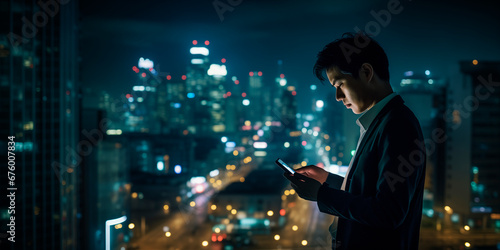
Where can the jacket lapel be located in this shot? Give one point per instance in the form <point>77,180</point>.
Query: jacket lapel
<point>396,101</point>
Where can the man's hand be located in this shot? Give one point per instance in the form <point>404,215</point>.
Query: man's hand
<point>305,187</point>
<point>314,172</point>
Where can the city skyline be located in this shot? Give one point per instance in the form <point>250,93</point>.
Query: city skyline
<point>156,125</point>
<point>255,35</point>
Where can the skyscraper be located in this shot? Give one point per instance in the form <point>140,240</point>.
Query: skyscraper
<point>41,101</point>
<point>473,152</point>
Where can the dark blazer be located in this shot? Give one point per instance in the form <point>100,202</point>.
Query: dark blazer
<point>382,205</point>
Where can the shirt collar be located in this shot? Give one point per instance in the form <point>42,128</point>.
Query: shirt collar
<point>368,116</point>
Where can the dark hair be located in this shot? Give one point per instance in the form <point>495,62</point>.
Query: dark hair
<point>349,53</point>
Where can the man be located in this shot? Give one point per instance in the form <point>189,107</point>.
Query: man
<point>378,205</point>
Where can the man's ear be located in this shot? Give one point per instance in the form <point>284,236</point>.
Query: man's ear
<point>366,72</point>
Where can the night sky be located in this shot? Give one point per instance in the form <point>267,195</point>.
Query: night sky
<point>424,35</point>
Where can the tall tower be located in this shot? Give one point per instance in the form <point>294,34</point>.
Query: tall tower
<point>39,95</point>
<point>425,95</point>
<point>473,119</point>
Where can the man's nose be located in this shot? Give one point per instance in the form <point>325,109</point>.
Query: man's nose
<point>339,95</point>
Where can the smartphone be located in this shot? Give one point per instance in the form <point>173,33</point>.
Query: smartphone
<point>284,166</point>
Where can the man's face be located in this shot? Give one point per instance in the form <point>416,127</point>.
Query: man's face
<point>355,93</point>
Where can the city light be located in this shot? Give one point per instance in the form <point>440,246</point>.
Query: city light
<point>204,243</point>
<point>108,224</point>
<point>214,173</point>
<point>427,72</point>
<point>195,42</point>
<point>467,244</point>
<point>177,169</point>
<point>287,145</point>
<point>190,95</point>
<point>131,226</point>
<point>199,51</point>
<point>320,104</point>
<point>145,63</point>
<point>466,228</point>
<point>213,207</point>
<point>165,207</point>
<point>207,42</point>
<point>277,237</point>
<point>223,139</point>
<point>233,211</point>
<point>408,73</point>
<point>313,87</point>
<point>223,60</point>
<point>160,166</point>
<point>270,213</point>
<point>197,180</point>
<point>217,70</point>
<point>196,61</point>
<point>114,132</point>
<point>475,62</point>
<point>246,102</point>
<point>282,212</point>
<point>192,203</point>
<point>230,144</point>
<point>292,191</point>
<point>448,209</point>
<point>282,82</point>
<point>260,144</point>
<point>260,153</point>
<point>304,243</point>
<point>295,228</point>
<point>168,234</point>
<point>229,207</point>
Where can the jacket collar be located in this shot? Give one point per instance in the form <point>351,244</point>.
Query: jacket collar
<point>392,104</point>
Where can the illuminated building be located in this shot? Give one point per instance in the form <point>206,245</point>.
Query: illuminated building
<point>425,95</point>
<point>257,202</point>
<point>205,92</point>
<point>40,107</point>
<point>473,152</point>
<point>105,185</point>
<point>143,106</point>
